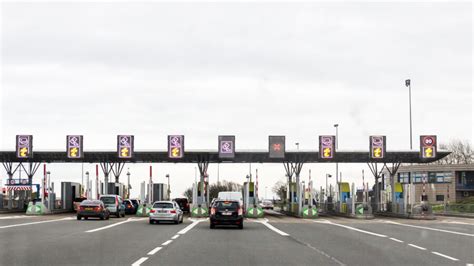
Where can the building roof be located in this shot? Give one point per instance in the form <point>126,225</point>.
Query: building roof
<point>436,167</point>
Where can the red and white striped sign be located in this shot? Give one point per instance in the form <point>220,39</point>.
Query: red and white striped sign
<point>14,188</point>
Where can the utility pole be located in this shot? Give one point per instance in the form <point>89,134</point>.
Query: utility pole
<point>408,84</point>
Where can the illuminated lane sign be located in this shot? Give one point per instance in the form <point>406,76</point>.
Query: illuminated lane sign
<point>74,146</point>
<point>326,147</point>
<point>125,146</point>
<point>276,146</point>
<point>176,146</point>
<point>377,147</point>
<point>24,146</point>
<point>428,147</point>
<point>227,147</point>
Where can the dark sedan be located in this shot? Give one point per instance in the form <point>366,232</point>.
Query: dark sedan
<point>129,207</point>
<point>92,208</point>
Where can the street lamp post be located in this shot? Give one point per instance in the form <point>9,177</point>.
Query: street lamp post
<point>48,174</point>
<point>265,192</point>
<point>337,147</point>
<point>327,175</point>
<point>169,192</point>
<point>88,188</point>
<point>128,183</point>
<point>408,84</point>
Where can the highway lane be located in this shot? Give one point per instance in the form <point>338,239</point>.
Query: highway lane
<point>68,242</point>
<point>62,240</point>
<point>256,244</point>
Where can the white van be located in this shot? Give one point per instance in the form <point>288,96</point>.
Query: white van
<point>230,195</point>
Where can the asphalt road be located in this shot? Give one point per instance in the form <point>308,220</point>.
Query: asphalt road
<point>275,240</point>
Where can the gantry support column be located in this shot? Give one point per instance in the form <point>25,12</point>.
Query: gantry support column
<point>10,172</point>
<point>106,169</point>
<point>30,172</point>
<point>393,171</point>
<point>377,175</point>
<point>294,168</point>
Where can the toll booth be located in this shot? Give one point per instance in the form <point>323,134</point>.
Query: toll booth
<point>398,200</point>
<point>200,205</point>
<point>251,202</point>
<point>345,199</point>
<point>293,198</point>
<point>69,192</point>
<point>114,189</point>
<point>159,192</point>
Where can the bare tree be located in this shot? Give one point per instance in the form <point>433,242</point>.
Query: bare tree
<point>280,189</point>
<point>188,193</point>
<point>461,153</point>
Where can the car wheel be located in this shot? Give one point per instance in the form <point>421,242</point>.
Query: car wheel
<point>241,226</point>
<point>151,221</point>
<point>108,216</point>
<point>123,215</point>
<point>85,217</point>
<point>117,214</point>
<point>182,218</point>
<point>212,226</point>
<point>79,217</point>
<point>101,217</point>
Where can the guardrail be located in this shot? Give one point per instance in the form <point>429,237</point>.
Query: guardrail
<point>453,208</point>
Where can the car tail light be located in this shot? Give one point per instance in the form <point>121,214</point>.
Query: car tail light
<point>173,211</point>
<point>213,211</point>
<point>81,208</point>
<point>240,211</point>
<point>129,206</point>
<point>98,209</point>
<point>187,205</point>
<point>152,211</point>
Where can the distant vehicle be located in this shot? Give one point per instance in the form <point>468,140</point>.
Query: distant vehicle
<point>227,212</point>
<point>115,205</point>
<point>183,204</point>
<point>266,204</point>
<point>92,208</point>
<point>136,203</point>
<point>129,207</point>
<point>166,211</point>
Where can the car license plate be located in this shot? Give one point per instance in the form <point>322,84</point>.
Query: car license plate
<point>162,212</point>
<point>88,209</point>
<point>227,213</point>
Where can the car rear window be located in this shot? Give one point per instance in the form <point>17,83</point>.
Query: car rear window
<point>163,205</point>
<point>134,201</point>
<point>230,205</point>
<point>90,202</point>
<point>108,200</point>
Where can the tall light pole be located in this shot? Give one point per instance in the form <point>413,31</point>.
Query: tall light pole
<point>337,146</point>
<point>265,192</point>
<point>408,84</point>
<point>88,188</point>
<point>327,175</point>
<point>49,189</point>
<point>169,192</point>
<point>128,183</point>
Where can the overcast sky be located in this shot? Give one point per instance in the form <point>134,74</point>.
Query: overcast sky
<point>244,69</point>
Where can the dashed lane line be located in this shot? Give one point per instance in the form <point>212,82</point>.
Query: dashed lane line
<point>154,251</point>
<point>418,247</point>
<point>189,227</point>
<point>115,224</point>
<point>174,237</point>
<point>39,222</point>
<point>139,261</point>
<point>17,217</point>
<point>432,229</point>
<point>444,256</point>
<point>351,228</point>
<point>396,240</point>
<point>167,243</point>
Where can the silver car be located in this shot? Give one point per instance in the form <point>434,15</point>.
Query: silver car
<point>166,211</point>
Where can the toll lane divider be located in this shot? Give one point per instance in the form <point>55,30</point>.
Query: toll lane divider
<point>115,224</point>
<point>39,222</point>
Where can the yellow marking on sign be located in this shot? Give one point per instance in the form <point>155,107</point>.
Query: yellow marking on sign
<point>124,152</point>
<point>327,152</point>
<point>377,152</point>
<point>73,152</point>
<point>23,152</point>
<point>428,152</point>
<point>175,152</point>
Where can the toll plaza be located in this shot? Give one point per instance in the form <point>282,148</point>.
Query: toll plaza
<point>302,199</point>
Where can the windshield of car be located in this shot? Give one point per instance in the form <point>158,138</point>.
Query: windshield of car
<point>108,200</point>
<point>227,205</point>
<point>163,205</point>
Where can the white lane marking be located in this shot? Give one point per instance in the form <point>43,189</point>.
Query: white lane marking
<point>469,264</point>
<point>418,247</point>
<point>396,240</point>
<point>174,237</point>
<point>353,228</point>
<point>40,222</point>
<point>429,228</point>
<point>154,251</point>
<point>445,256</point>
<point>167,242</point>
<point>456,222</point>
<point>17,217</point>
<point>189,227</point>
<point>139,261</point>
<point>111,225</point>
<point>274,229</point>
